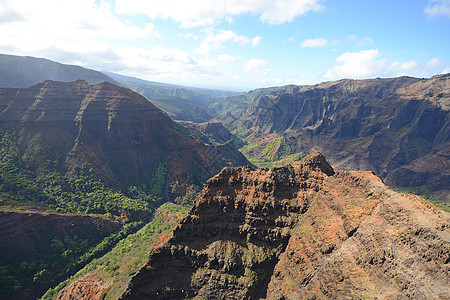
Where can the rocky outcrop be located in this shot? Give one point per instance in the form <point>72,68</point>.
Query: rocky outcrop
<point>113,129</point>
<point>388,126</point>
<point>88,287</point>
<point>301,232</point>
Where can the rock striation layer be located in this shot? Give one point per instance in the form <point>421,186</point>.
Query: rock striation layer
<point>396,127</point>
<point>113,129</point>
<point>301,232</point>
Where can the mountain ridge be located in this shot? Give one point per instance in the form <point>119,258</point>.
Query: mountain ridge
<point>109,127</point>
<point>26,71</point>
<point>378,124</point>
<point>297,232</point>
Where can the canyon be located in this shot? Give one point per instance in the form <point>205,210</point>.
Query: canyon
<point>301,232</point>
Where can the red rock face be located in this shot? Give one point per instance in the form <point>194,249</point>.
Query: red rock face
<point>118,132</point>
<point>301,232</point>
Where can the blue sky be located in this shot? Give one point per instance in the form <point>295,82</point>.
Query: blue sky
<point>234,44</point>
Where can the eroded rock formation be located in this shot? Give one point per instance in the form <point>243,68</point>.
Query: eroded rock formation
<point>396,127</point>
<point>115,130</point>
<point>301,232</point>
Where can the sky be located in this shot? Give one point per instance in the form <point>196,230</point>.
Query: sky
<point>234,44</point>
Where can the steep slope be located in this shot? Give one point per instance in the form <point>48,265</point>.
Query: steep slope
<point>109,275</point>
<point>390,126</point>
<point>212,132</point>
<point>301,232</point>
<point>25,71</point>
<point>181,109</point>
<point>36,246</point>
<point>121,135</point>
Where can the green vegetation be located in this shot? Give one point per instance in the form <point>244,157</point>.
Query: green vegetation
<point>81,192</point>
<point>118,265</point>
<point>237,103</point>
<point>270,153</point>
<point>189,197</point>
<point>421,146</point>
<point>394,136</point>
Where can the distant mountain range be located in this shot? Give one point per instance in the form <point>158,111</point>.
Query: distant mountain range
<point>398,128</point>
<point>25,71</point>
<point>180,102</point>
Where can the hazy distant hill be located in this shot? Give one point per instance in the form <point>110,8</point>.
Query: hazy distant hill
<point>25,71</point>
<point>180,102</point>
<point>151,90</point>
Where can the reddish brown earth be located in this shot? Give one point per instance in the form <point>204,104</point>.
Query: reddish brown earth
<point>87,287</point>
<point>301,232</point>
<point>115,130</point>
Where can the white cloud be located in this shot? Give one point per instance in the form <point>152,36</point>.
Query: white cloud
<point>438,66</point>
<point>83,19</point>
<point>254,64</point>
<point>434,63</point>
<point>65,30</point>
<point>224,58</point>
<point>209,12</point>
<point>88,33</point>
<point>162,64</point>
<point>437,7</point>
<point>360,42</point>
<point>214,41</point>
<point>290,40</point>
<point>314,43</point>
<point>369,63</point>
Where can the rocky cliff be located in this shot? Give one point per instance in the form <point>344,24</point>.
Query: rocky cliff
<point>301,232</point>
<point>32,246</point>
<point>399,127</point>
<point>113,129</point>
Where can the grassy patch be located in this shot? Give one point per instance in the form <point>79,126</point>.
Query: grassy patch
<point>272,152</point>
<point>128,255</point>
